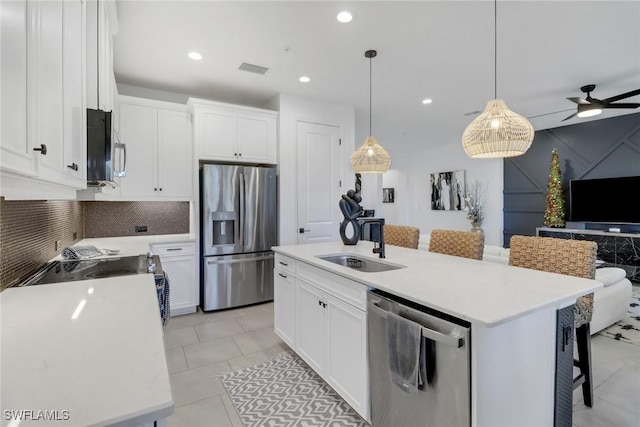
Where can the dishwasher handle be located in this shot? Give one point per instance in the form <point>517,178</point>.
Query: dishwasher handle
<point>450,340</point>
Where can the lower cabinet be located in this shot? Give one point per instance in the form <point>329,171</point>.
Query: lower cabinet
<point>179,262</point>
<point>284,299</point>
<point>322,317</point>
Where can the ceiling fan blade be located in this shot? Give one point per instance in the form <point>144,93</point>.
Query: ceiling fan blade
<point>570,117</point>
<point>578,100</point>
<point>548,114</point>
<point>622,96</point>
<point>622,105</point>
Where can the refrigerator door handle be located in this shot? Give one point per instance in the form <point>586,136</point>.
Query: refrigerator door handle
<point>242,193</point>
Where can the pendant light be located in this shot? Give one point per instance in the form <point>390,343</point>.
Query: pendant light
<point>370,157</point>
<point>498,131</point>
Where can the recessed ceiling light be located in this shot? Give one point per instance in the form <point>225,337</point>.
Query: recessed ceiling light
<point>195,56</point>
<point>304,79</point>
<point>427,101</point>
<point>344,17</point>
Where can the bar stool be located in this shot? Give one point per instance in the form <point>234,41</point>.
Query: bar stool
<point>573,258</point>
<point>466,244</point>
<point>405,236</point>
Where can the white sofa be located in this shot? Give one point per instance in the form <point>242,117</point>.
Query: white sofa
<point>609,304</point>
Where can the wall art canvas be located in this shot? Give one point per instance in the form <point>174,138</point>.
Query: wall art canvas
<point>448,191</point>
<point>388,195</point>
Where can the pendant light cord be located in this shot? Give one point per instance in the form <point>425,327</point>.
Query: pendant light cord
<point>370,79</point>
<point>495,49</point>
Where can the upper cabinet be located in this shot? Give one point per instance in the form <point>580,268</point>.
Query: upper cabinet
<point>233,133</point>
<point>159,150</point>
<point>43,105</point>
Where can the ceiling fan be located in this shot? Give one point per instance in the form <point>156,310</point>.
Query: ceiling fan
<point>592,106</point>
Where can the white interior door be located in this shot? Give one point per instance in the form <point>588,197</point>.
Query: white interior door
<point>319,182</point>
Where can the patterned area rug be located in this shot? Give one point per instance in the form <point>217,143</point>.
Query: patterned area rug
<point>283,392</point>
<point>627,330</point>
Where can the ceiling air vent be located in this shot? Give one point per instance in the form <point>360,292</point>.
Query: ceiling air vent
<point>252,68</point>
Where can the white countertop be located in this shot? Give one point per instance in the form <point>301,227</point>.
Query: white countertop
<point>133,245</point>
<point>481,292</point>
<point>105,366</point>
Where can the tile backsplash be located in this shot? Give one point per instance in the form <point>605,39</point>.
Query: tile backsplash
<point>29,229</point>
<point>113,219</point>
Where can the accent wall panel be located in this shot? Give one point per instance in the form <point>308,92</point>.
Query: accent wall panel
<point>598,149</point>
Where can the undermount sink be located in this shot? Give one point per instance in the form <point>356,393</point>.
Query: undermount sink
<point>359,263</point>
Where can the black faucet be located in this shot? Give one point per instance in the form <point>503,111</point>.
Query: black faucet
<point>372,229</point>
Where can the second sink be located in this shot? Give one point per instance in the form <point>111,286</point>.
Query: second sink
<point>359,263</point>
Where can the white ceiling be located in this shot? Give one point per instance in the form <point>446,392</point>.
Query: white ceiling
<point>443,50</point>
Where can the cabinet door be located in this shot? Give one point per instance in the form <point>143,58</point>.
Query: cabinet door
<point>17,155</point>
<point>45,100</point>
<point>347,366</point>
<point>174,154</point>
<point>256,138</point>
<point>284,300</point>
<point>74,130</point>
<point>138,130</point>
<point>311,334</point>
<point>181,271</point>
<point>217,134</point>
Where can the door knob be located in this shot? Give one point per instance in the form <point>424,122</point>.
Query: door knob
<point>302,231</point>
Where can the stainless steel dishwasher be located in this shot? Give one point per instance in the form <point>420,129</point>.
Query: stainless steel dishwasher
<point>445,399</point>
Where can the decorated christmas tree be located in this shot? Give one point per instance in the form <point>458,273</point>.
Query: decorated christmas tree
<point>554,212</point>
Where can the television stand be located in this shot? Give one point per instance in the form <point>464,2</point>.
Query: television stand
<point>616,249</point>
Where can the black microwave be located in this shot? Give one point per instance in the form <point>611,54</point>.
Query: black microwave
<point>102,153</point>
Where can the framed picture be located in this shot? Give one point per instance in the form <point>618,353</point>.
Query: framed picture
<point>448,191</point>
<point>387,195</point>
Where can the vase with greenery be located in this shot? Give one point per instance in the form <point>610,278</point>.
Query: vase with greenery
<point>476,199</point>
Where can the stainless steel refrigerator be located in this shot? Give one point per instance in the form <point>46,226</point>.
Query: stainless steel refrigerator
<point>238,229</point>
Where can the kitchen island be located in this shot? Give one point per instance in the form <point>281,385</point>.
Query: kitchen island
<point>84,353</point>
<point>512,313</point>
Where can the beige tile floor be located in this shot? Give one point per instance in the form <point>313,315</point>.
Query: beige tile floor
<point>201,346</point>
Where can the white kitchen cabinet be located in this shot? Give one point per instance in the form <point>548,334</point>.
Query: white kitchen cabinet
<point>327,316</point>
<point>159,150</point>
<point>284,297</point>
<point>179,262</point>
<point>312,336</point>
<point>17,156</point>
<point>44,107</point>
<point>234,133</point>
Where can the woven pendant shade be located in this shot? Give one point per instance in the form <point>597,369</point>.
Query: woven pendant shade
<point>370,157</point>
<point>497,132</point>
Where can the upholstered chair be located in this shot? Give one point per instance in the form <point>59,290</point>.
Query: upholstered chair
<point>573,258</point>
<point>466,244</point>
<point>401,235</point>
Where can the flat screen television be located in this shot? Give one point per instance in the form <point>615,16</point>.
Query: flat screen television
<point>610,200</point>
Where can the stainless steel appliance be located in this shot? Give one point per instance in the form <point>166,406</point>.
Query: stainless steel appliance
<point>445,398</point>
<point>86,269</point>
<point>106,159</point>
<point>72,270</point>
<point>238,228</point>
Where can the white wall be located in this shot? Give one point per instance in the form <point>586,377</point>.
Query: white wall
<point>293,109</point>
<point>409,175</point>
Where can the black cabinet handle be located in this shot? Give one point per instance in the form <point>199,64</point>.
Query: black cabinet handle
<point>42,149</point>
<point>283,263</point>
<point>73,166</point>
<point>173,249</point>
<point>155,189</point>
<point>322,304</point>
<point>282,275</point>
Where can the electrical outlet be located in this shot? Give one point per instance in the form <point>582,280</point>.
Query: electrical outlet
<point>58,244</point>
<point>140,228</point>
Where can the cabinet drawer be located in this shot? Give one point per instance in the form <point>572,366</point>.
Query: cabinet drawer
<point>351,292</point>
<point>178,248</point>
<point>285,263</point>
